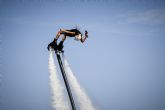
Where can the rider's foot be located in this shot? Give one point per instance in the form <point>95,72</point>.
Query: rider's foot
<point>53,45</point>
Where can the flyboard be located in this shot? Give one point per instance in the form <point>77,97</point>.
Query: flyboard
<point>58,54</point>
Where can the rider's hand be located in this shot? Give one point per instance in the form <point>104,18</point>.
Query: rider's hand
<point>86,33</point>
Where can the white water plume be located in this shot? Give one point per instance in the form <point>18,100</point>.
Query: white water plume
<point>58,99</point>
<point>82,98</point>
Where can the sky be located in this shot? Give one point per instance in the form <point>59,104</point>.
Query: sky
<point>121,65</point>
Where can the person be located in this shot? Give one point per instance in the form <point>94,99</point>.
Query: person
<point>67,33</point>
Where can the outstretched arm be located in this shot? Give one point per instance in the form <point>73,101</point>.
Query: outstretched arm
<point>84,38</point>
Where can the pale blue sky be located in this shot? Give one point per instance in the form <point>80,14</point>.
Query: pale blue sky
<point>121,65</point>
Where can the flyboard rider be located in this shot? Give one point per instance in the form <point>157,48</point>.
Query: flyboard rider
<point>67,33</point>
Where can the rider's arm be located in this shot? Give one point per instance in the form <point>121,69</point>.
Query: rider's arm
<point>83,38</point>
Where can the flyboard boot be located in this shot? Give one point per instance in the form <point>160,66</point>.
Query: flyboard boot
<point>60,46</point>
<point>53,45</point>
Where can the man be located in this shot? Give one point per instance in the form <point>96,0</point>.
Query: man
<point>67,33</point>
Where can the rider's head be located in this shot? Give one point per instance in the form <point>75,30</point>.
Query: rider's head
<point>78,37</point>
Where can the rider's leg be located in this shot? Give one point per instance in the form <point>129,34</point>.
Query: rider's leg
<point>60,45</point>
<point>63,31</point>
<point>62,41</point>
<point>64,37</point>
<point>58,35</point>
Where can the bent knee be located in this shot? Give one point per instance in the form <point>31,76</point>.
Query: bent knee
<point>61,31</point>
